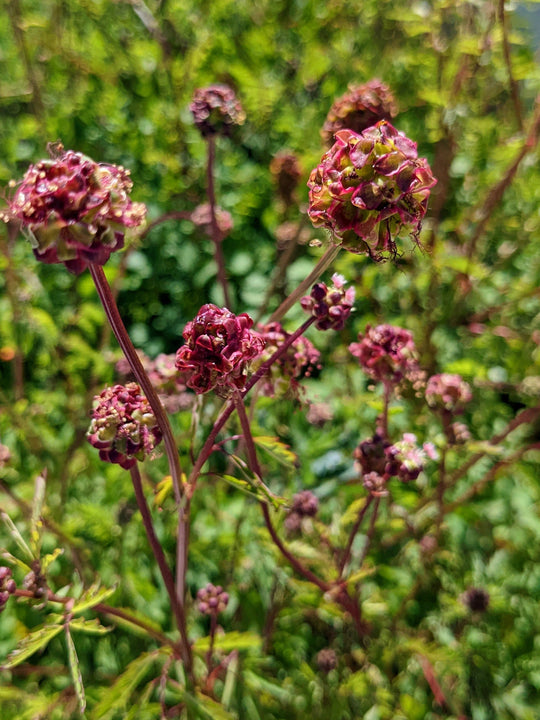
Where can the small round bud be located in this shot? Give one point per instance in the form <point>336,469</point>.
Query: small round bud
<point>330,306</point>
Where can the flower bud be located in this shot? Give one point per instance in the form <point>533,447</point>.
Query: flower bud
<point>216,109</point>
<point>331,306</point>
<point>212,600</point>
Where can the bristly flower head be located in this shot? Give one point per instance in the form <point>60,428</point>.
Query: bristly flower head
<point>74,210</point>
<point>216,109</point>
<point>369,188</point>
<point>386,353</point>
<point>123,426</point>
<point>330,306</point>
<point>300,359</point>
<point>361,107</point>
<point>448,392</point>
<point>212,600</point>
<point>218,350</point>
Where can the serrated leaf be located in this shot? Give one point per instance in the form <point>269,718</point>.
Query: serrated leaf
<point>48,559</point>
<point>230,641</point>
<point>94,595</point>
<point>30,644</point>
<point>132,626</point>
<point>75,670</point>
<point>279,450</point>
<point>36,521</point>
<point>90,627</point>
<point>206,707</point>
<point>16,535</point>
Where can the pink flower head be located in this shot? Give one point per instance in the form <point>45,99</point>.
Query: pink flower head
<point>74,210</point>
<point>123,426</point>
<point>369,188</point>
<point>202,217</point>
<point>361,107</point>
<point>331,306</point>
<point>300,359</point>
<point>212,599</point>
<point>285,167</point>
<point>406,459</point>
<point>215,109</point>
<point>448,392</point>
<point>218,350</point>
<point>386,353</point>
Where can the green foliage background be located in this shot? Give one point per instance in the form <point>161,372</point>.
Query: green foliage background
<point>114,79</point>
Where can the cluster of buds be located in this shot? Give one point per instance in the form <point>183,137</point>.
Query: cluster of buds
<point>216,109</point>
<point>386,353</point>
<point>300,360</point>
<point>169,384</point>
<point>285,167</point>
<point>304,505</point>
<point>361,107</point>
<point>202,218</point>
<point>447,392</point>
<point>377,460</point>
<point>74,210</point>
<point>7,586</point>
<point>369,188</point>
<point>212,600</point>
<point>123,426</point>
<point>330,306</point>
<point>219,347</point>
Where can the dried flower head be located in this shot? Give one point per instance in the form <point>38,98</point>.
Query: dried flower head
<point>123,426</point>
<point>369,188</point>
<point>359,108</point>
<point>330,306</point>
<point>285,167</point>
<point>386,353</point>
<point>219,347</point>
<point>448,392</point>
<point>212,599</point>
<point>300,360</point>
<point>74,210</point>
<point>202,217</point>
<point>216,109</point>
<point>476,599</point>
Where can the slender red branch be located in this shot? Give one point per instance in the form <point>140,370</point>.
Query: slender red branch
<point>217,236</point>
<point>352,535</point>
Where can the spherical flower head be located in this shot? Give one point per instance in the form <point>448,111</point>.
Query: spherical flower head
<point>326,660</point>
<point>285,167</point>
<point>448,392</point>
<point>359,108</point>
<point>216,109</point>
<point>386,353</point>
<point>202,217</point>
<point>300,360</point>
<point>369,188</point>
<point>370,455</point>
<point>212,600</point>
<point>219,347</point>
<point>305,503</point>
<point>123,426</point>
<point>74,210</point>
<point>406,459</point>
<point>330,306</point>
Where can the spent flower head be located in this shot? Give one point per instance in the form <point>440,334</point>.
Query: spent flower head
<point>216,109</point>
<point>219,347</point>
<point>448,392</point>
<point>359,108</point>
<point>386,353</point>
<point>330,306</point>
<point>75,211</point>
<point>369,188</point>
<point>123,426</point>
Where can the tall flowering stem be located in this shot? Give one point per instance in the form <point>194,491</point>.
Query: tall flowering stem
<point>354,531</point>
<point>217,236</point>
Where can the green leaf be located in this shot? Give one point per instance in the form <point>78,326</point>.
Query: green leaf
<point>90,627</point>
<point>206,707</point>
<point>230,641</point>
<point>75,670</point>
<point>36,521</point>
<point>16,562</point>
<point>48,559</point>
<point>91,597</point>
<point>16,535</point>
<point>230,679</point>
<point>277,449</point>
<point>30,644</point>
<point>255,488</point>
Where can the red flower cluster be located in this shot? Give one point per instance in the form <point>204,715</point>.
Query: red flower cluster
<point>123,426</point>
<point>448,392</point>
<point>369,188</point>
<point>219,348</point>
<point>75,210</point>
<point>386,353</point>
<point>331,306</point>
<point>215,109</point>
<point>361,107</point>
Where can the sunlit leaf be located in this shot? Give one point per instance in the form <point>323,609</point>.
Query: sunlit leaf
<point>36,640</point>
<point>75,670</point>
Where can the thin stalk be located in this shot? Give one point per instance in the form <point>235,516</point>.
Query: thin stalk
<point>370,531</point>
<point>352,535</point>
<point>326,260</point>
<point>217,236</point>
<point>164,569</point>
<point>508,60</point>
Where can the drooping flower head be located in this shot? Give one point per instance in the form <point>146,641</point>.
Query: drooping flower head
<point>331,306</point>
<point>300,359</point>
<point>386,353</point>
<point>75,211</point>
<point>202,217</point>
<point>123,426</point>
<point>448,392</point>
<point>219,347</point>
<point>369,188</point>
<point>285,167</point>
<point>216,109</point>
<point>212,600</point>
<point>359,108</point>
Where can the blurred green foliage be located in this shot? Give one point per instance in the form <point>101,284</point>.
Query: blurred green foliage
<point>113,79</point>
